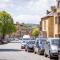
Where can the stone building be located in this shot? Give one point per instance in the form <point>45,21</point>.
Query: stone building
<point>22,29</point>
<point>51,22</point>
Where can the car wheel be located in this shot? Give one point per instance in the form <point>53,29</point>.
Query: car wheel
<point>21,47</point>
<point>34,51</point>
<point>50,56</point>
<point>45,54</point>
<point>39,53</point>
<point>25,49</point>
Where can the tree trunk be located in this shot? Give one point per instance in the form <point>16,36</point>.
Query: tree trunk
<point>2,38</point>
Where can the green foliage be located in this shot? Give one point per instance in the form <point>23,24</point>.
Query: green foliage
<point>6,23</point>
<point>36,32</point>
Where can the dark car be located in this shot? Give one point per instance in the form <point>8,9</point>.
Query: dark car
<point>59,56</point>
<point>4,41</point>
<point>39,46</point>
<point>30,45</point>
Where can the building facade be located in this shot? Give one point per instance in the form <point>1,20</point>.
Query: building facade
<point>22,30</point>
<point>51,22</point>
<point>48,26</point>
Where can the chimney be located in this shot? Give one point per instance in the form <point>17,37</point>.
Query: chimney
<point>47,12</point>
<point>53,9</point>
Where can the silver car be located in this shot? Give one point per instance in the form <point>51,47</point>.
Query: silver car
<point>24,42</point>
<point>30,46</point>
<point>52,47</point>
<point>39,46</point>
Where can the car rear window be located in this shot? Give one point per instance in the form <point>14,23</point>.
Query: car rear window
<point>31,42</point>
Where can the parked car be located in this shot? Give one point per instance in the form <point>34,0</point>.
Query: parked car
<point>51,47</point>
<point>11,39</point>
<point>4,41</point>
<point>30,46</point>
<point>39,46</point>
<point>59,56</point>
<point>23,42</point>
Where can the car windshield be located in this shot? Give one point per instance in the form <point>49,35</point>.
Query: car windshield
<point>31,42</point>
<point>42,41</point>
<point>55,42</point>
<point>23,42</point>
<point>26,39</point>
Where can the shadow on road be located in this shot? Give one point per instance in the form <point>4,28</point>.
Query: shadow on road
<point>10,50</point>
<point>54,59</point>
<point>15,42</point>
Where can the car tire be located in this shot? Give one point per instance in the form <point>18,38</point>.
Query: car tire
<point>39,53</point>
<point>50,56</point>
<point>21,47</point>
<point>45,54</point>
<point>34,52</point>
<point>25,49</point>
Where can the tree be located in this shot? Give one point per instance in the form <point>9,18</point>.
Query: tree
<point>35,32</point>
<point>6,24</point>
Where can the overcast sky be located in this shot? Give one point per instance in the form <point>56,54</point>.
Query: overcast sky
<point>26,11</point>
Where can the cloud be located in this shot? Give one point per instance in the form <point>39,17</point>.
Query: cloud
<point>6,4</point>
<point>26,10</point>
<point>27,19</point>
<point>31,12</point>
<point>2,5</point>
<point>52,2</point>
<point>32,7</point>
<point>4,1</point>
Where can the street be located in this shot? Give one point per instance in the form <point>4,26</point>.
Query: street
<point>12,51</point>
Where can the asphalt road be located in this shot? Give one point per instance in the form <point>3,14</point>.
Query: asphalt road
<point>12,51</point>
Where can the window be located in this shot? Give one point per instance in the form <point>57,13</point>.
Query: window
<point>59,35</point>
<point>54,41</point>
<point>58,4</point>
<point>56,35</point>
<point>59,19</point>
<point>56,21</point>
<point>44,25</point>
